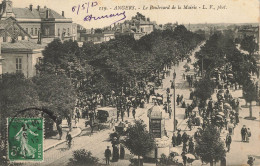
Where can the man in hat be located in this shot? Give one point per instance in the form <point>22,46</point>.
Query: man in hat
<point>107,155</point>
<point>243,133</point>
<point>228,141</point>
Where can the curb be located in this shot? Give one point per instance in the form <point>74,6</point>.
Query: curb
<point>62,141</point>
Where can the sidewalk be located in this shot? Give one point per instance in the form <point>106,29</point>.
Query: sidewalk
<point>53,141</point>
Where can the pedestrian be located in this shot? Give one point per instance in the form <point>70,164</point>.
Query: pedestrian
<point>68,139</point>
<point>183,76</point>
<point>107,155</point>
<point>115,153</point>
<point>122,114</point>
<point>185,137</point>
<point>122,152</point>
<point>133,112</point>
<point>174,140</point>
<point>178,99</point>
<point>170,112</point>
<point>230,128</point>
<point>248,134</point>
<point>184,158</point>
<point>191,146</point>
<point>117,115</point>
<point>184,147</point>
<point>77,114</point>
<point>228,141</point>
<point>179,140</point>
<point>250,161</point>
<point>243,133</point>
<point>223,161</point>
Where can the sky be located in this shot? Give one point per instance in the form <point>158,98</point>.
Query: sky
<point>218,11</point>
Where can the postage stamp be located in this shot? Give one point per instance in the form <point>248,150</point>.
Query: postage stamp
<point>25,139</point>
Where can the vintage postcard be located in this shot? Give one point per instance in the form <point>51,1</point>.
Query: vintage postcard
<point>129,82</point>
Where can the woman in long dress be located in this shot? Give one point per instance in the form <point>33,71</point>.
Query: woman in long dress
<point>22,137</point>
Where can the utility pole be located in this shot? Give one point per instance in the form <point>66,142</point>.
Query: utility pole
<point>202,69</point>
<point>174,124</point>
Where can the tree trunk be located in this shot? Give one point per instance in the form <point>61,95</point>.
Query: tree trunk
<point>250,110</point>
<point>211,163</point>
<point>139,162</point>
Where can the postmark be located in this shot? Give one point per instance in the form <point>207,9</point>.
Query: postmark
<point>25,139</point>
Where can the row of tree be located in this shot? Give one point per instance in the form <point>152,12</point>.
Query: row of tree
<point>221,57</point>
<point>117,65</point>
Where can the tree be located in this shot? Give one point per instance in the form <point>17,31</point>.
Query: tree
<point>16,93</point>
<point>248,44</point>
<point>250,94</point>
<point>204,89</point>
<point>139,141</point>
<point>209,147</point>
<point>56,93</point>
<point>82,157</point>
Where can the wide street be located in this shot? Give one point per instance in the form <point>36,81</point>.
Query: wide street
<point>99,140</point>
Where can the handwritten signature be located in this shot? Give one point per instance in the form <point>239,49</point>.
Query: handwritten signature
<point>90,17</point>
<point>94,18</point>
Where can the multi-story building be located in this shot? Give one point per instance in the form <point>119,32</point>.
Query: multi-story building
<point>98,37</point>
<point>138,26</point>
<point>247,30</point>
<point>10,31</point>
<point>21,57</point>
<point>24,33</point>
<point>44,20</point>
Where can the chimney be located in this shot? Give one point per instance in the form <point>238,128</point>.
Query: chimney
<point>47,13</point>
<point>62,13</point>
<point>38,8</point>
<point>30,7</point>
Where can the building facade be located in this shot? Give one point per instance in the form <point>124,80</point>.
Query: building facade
<point>21,57</point>
<point>40,20</point>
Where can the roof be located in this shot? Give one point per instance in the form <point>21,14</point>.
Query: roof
<point>21,47</point>
<point>9,25</point>
<point>35,14</point>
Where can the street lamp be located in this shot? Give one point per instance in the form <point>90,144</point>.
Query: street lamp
<point>173,87</point>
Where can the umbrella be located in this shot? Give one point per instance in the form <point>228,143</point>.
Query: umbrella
<point>190,156</point>
<point>219,116</point>
<point>221,113</point>
<point>196,109</point>
<point>175,150</point>
<point>159,98</point>
<point>178,159</point>
<point>227,106</point>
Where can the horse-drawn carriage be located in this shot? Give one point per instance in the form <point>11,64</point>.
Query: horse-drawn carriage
<point>103,116</point>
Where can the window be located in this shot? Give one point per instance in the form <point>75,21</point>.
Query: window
<point>47,30</point>
<point>26,30</point>
<point>58,31</point>
<point>19,65</point>
<point>39,60</point>
<point>68,31</point>
<point>36,31</point>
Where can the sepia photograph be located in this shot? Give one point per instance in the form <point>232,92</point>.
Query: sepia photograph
<point>129,83</point>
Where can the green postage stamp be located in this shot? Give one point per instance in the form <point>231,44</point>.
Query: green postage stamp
<point>25,139</point>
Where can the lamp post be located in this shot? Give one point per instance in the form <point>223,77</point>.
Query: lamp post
<point>173,87</point>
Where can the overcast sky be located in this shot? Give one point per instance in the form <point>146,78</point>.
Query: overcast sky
<point>235,11</point>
